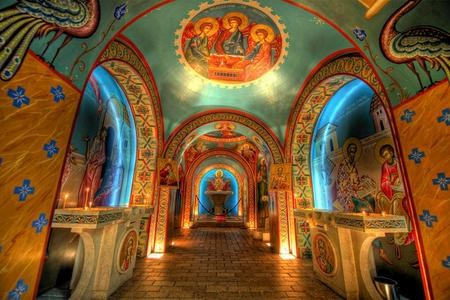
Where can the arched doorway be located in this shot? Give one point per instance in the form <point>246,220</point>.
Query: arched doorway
<point>342,115</point>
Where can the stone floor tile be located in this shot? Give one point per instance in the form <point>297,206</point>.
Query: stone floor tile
<point>222,263</point>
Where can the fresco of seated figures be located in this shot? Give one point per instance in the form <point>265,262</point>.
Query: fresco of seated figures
<point>232,43</point>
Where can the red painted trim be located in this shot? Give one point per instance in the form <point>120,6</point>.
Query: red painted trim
<point>224,110</point>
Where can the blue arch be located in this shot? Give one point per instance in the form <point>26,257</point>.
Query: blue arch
<point>231,204</point>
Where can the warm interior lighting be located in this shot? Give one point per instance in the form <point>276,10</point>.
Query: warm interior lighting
<point>173,243</point>
<point>155,255</point>
<point>268,244</point>
<point>287,256</point>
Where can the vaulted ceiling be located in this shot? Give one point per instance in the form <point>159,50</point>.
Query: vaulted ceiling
<point>309,30</point>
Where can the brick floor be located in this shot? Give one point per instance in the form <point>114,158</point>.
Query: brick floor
<point>222,263</point>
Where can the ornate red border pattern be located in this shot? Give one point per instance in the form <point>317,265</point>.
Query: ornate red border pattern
<point>196,121</point>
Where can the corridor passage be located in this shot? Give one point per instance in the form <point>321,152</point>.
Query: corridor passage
<point>222,263</point>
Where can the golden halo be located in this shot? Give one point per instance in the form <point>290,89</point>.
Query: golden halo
<point>236,14</point>
<point>219,173</point>
<point>270,34</point>
<point>347,143</point>
<point>199,23</point>
<point>379,145</point>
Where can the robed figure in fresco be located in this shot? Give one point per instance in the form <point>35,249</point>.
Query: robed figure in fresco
<point>167,175</point>
<point>96,157</point>
<point>198,48</point>
<point>231,40</point>
<point>235,47</point>
<point>218,183</point>
<point>348,181</point>
<point>391,198</point>
<point>258,59</point>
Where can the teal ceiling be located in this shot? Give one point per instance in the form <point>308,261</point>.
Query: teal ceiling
<point>152,25</point>
<point>269,98</point>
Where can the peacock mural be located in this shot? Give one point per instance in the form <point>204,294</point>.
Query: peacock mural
<point>22,22</point>
<point>419,44</point>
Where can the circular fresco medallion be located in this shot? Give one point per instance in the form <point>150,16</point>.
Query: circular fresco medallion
<point>231,43</point>
<point>324,254</point>
<point>127,251</point>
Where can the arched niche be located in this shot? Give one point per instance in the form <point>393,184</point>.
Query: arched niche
<point>197,170</point>
<point>205,178</point>
<point>101,162</point>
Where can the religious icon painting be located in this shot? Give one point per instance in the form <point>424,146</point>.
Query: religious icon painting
<point>168,172</point>
<point>231,43</point>
<point>280,177</point>
<point>324,256</point>
<point>127,251</point>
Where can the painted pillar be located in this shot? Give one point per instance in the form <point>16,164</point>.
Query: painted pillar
<point>36,116</point>
<point>160,233</point>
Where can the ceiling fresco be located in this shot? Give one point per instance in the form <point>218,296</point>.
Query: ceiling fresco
<point>208,137</point>
<point>295,40</point>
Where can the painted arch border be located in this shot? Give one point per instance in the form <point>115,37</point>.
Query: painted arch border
<point>145,104</point>
<point>347,64</point>
<point>251,184</point>
<point>207,117</point>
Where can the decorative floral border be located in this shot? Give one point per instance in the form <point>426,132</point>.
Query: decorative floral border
<point>264,9</point>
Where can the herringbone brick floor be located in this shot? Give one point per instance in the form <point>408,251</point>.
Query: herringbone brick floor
<point>222,263</point>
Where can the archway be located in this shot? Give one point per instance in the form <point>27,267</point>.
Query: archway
<point>190,188</point>
<point>282,225</point>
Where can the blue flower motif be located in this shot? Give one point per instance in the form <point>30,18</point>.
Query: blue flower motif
<point>18,97</point>
<point>360,34</point>
<point>51,148</point>
<point>120,11</point>
<point>442,180</point>
<point>407,115</point>
<point>40,223</point>
<point>21,288</point>
<point>445,117</point>
<point>446,262</point>
<point>427,218</point>
<point>416,155</point>
<point>58,94</point>
<point>24,190</point>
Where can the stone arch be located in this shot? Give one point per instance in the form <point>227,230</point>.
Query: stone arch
<point>197,179</point>
<point>251,184</point>
<point>196,121</point>
<point>331,75</point>
<point>126,64</point>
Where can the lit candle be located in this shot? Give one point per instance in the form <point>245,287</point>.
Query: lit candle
<point>90,204</point>
<point>364,212</point>
<point>86,199</point>
<point>65,200</point>
<point>383,213</point>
